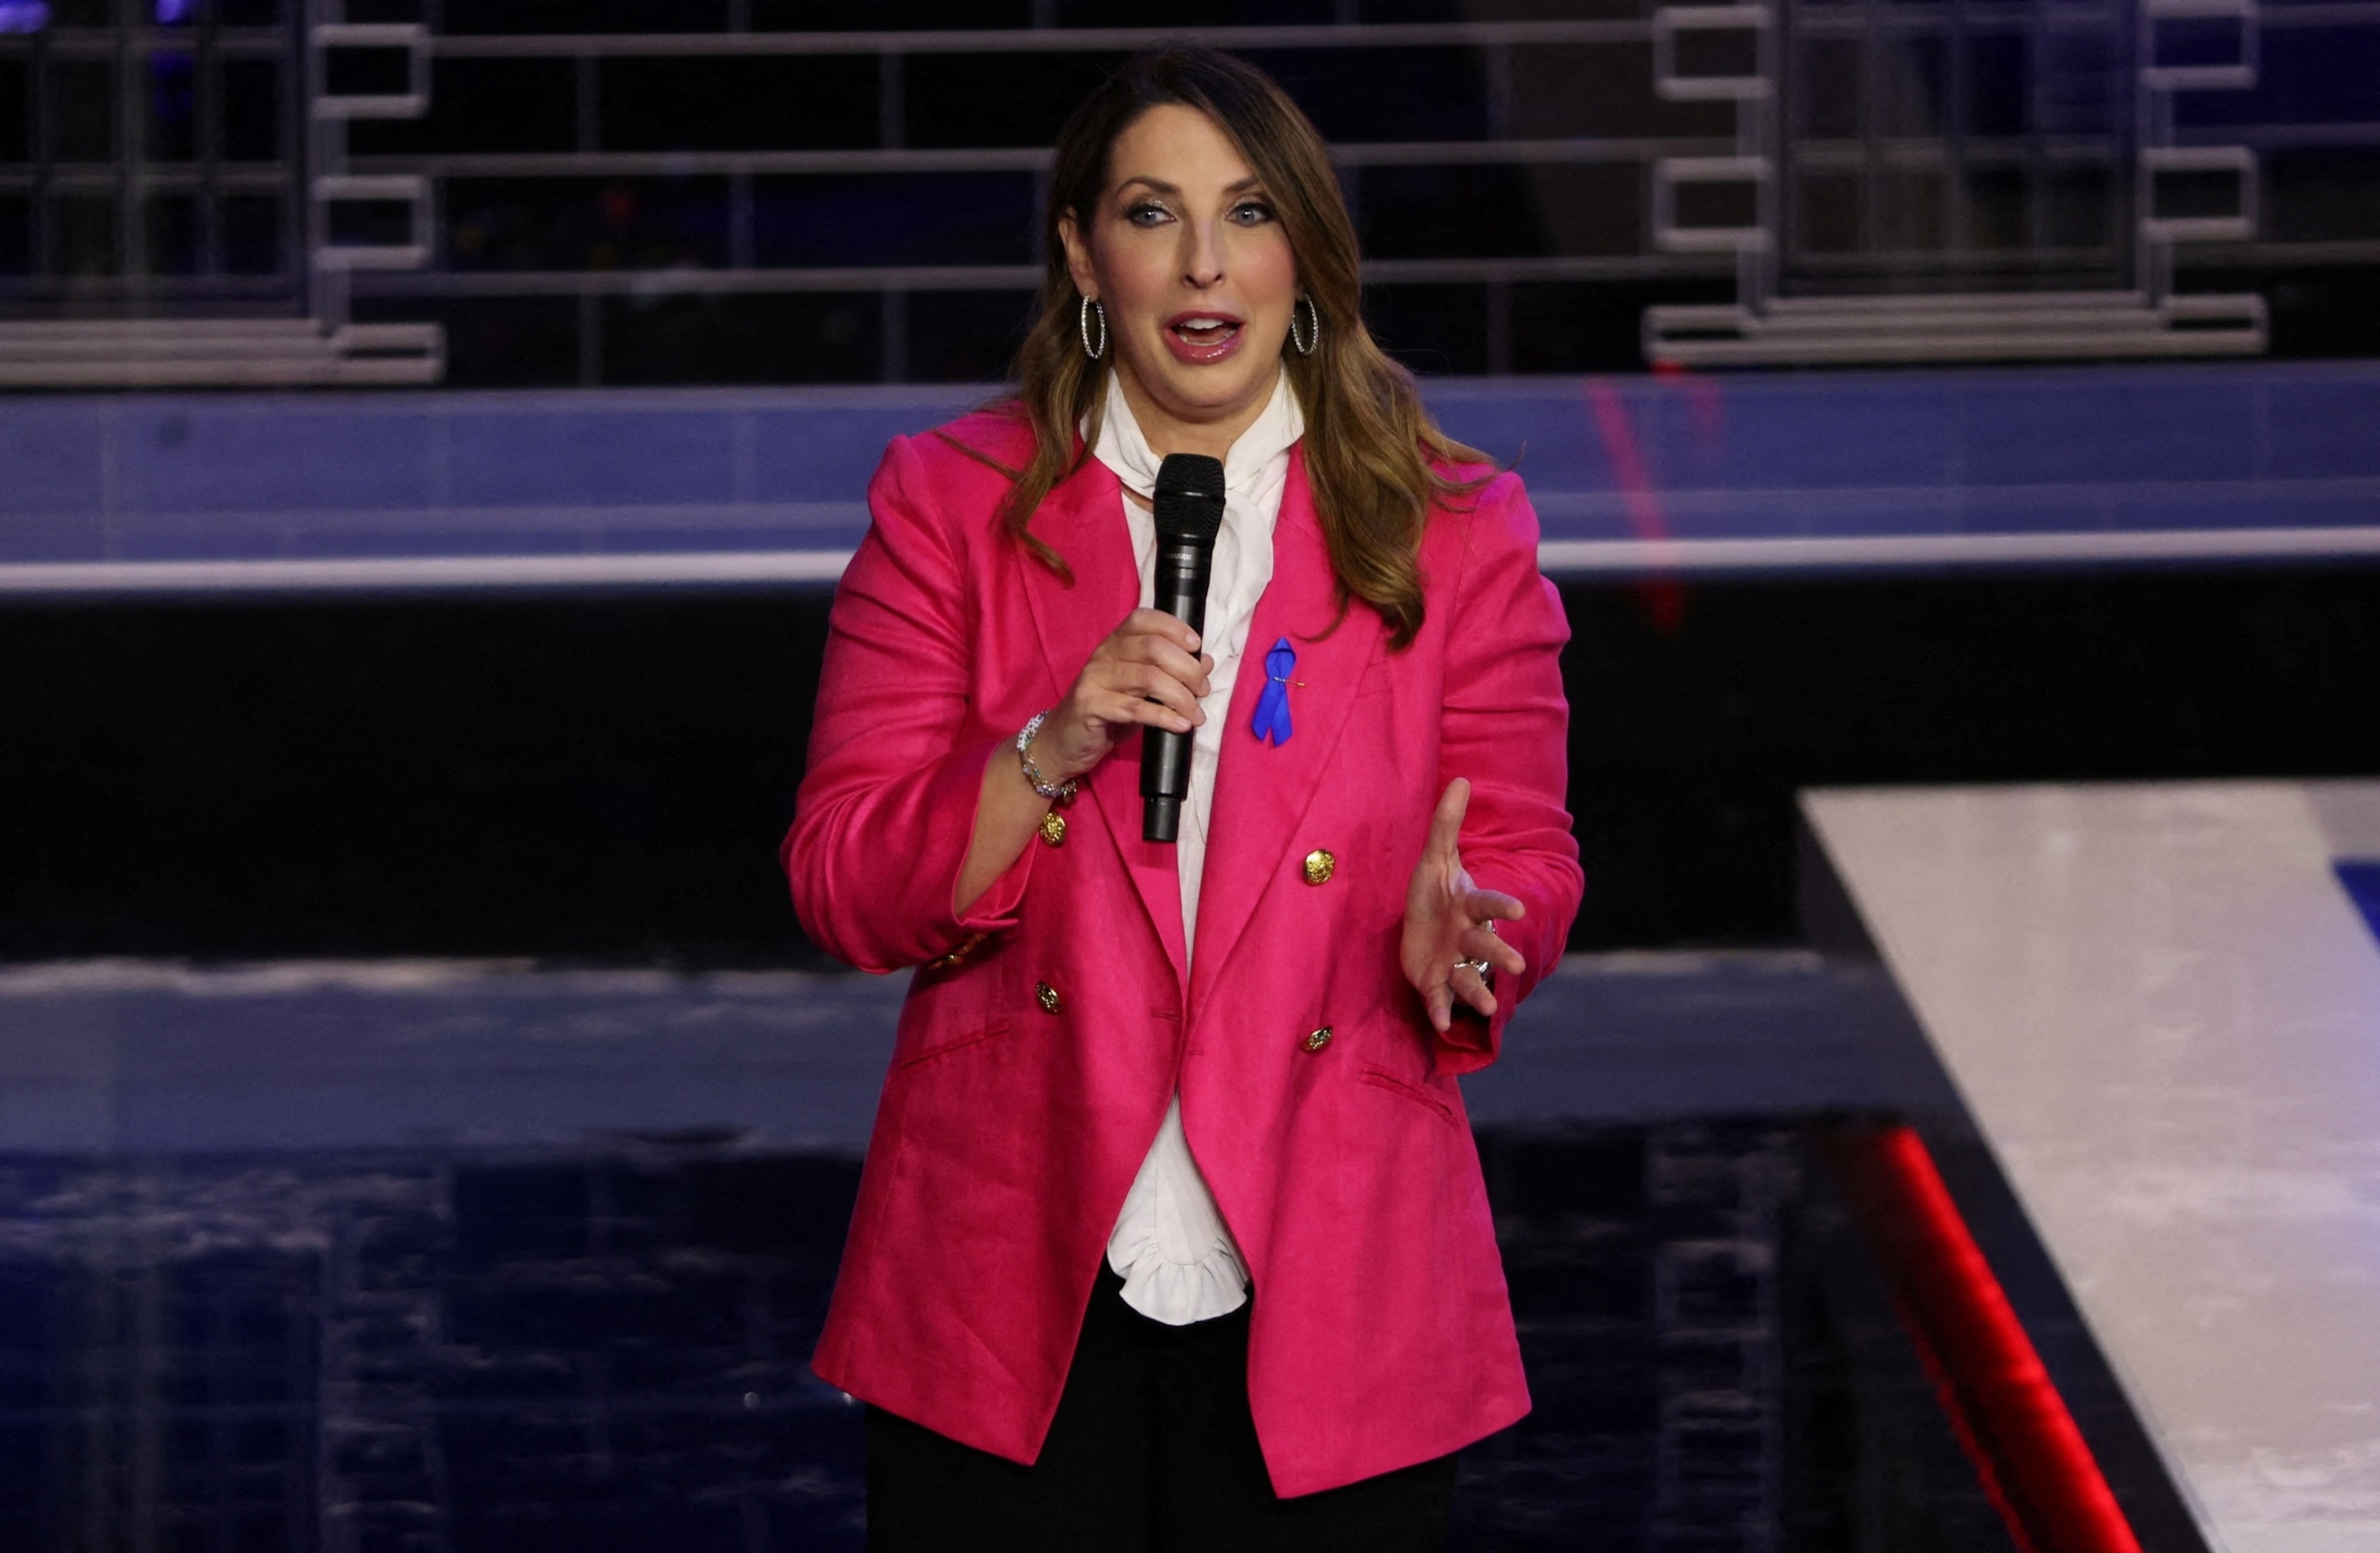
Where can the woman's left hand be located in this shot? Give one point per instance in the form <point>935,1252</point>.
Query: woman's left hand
<point>1449,920</point>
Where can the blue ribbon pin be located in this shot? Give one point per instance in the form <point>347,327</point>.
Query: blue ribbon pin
<point>1272,721</point>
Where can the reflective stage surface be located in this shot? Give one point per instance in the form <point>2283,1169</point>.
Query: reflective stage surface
<point>259,1302</point>
<point>404,1350</point>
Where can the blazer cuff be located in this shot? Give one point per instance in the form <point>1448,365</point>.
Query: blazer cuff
<point>1472,1041</point>
<point>997,908</point>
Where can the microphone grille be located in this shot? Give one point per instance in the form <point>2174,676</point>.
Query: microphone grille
<point>1189,501</point>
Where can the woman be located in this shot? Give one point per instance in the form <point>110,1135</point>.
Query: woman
<point>1172,1228</point>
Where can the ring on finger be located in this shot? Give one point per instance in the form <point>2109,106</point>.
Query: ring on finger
<point>1473,964</point>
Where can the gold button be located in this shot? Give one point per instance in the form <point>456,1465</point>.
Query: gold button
<point>1054,828</point>
<point>1320,867</point>
<point>1319,1040</point>
<point>1047,995</point>
<point>956,955</point>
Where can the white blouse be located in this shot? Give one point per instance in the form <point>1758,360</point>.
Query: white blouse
<point>1171,1246</point>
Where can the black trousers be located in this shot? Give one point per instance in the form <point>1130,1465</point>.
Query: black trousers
<point>1153,1448</point>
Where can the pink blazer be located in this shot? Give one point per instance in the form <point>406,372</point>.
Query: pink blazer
<point>1045,1029</point>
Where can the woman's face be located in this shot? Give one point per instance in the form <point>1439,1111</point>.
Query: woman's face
<point>1187,256</point>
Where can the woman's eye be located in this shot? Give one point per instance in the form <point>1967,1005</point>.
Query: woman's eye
<point>1147,213</point>
<point>1250,213</point>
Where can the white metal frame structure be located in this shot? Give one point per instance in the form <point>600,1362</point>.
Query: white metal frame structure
<point>126,326</point>
<point>1941,296</point>
<point>1703,169</point>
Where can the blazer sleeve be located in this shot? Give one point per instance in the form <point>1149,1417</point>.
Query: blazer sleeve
<point>1505,725</point>
<point>887,806</point>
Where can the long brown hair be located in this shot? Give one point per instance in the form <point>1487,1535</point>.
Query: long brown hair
<point>1370,446</point>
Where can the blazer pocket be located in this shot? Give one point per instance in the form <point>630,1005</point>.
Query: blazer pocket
<point>930,1044</point>
<point>1380,1078</point>
<point>956,1001</point>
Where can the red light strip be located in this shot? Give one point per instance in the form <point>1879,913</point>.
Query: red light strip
<point>1663,598</point>
<point>2014,1424</point>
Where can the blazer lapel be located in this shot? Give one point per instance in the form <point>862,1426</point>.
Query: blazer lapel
<point>1083,520</point>
<point>1263,790</point>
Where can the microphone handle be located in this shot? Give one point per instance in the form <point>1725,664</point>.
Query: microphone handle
<point>1181,572</point>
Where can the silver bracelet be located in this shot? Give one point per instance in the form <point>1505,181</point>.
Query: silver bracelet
<point>1063,792</point>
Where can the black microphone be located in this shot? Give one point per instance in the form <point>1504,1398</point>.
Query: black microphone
<point>1189,514</point>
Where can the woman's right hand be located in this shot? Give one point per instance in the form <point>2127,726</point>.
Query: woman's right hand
<point>1149,673</point>
<point>1146,674</point>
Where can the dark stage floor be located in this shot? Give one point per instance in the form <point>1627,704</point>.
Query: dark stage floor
<point>606,1350</point>
<point>575,1313</point>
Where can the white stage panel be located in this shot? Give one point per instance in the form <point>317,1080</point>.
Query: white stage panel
<point>2162,1011</point>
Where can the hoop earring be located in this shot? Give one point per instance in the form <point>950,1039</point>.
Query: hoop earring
<point>1092,305</point>
<point>1313,336</point>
